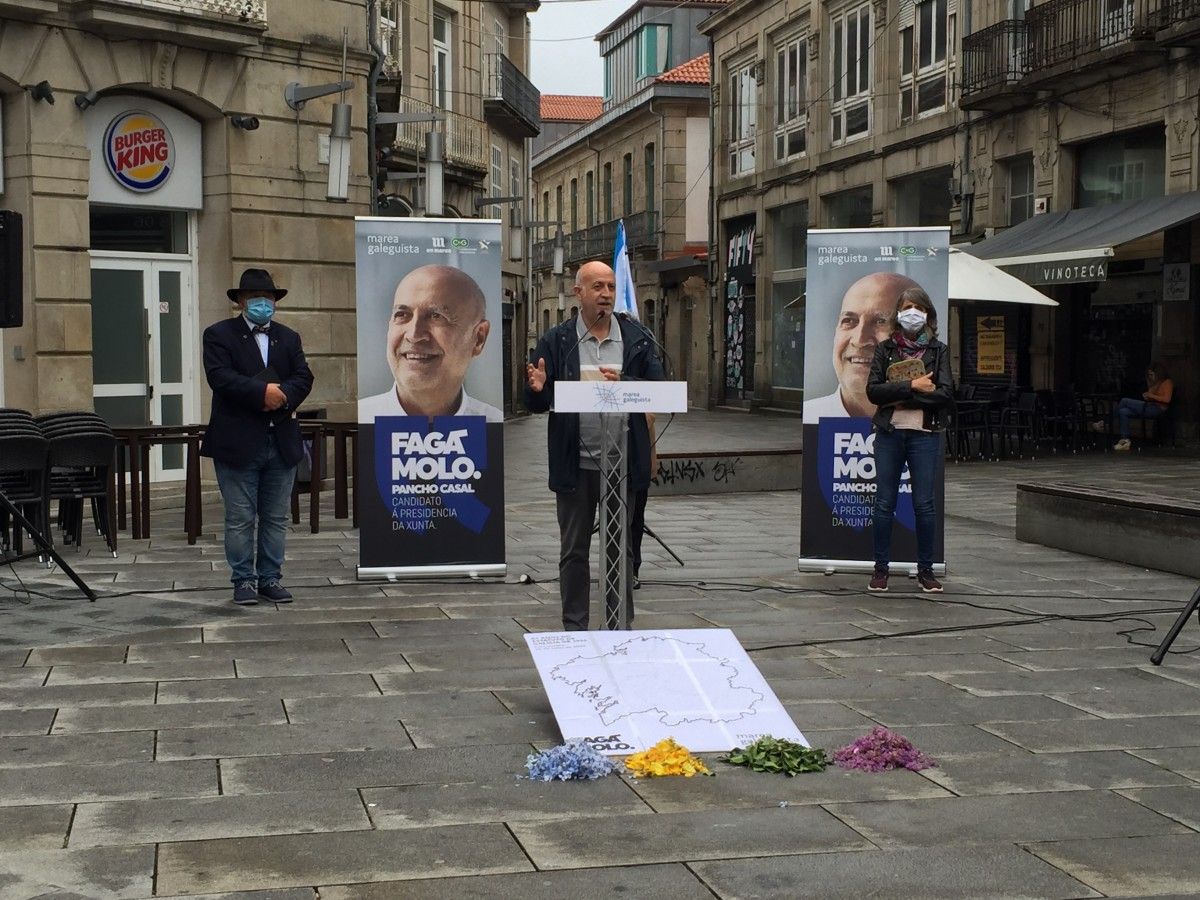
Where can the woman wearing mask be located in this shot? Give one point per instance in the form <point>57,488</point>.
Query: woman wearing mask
<point>906,425</point>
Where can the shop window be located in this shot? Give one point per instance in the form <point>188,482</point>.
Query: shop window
<point>653,50</point>
<point>924,199</point>
<point>743,119</point>
<point>850,209</point>
<point>1020,190</point>
<point>1129,166</point>
<point>791,100</point>
<point>923,61</point>
<point>850,77</point>
<point>788,234</point>
<point>443,60</point>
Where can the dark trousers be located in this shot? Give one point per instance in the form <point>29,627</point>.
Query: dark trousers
<point>921,450</point>
<point>637,528</point>
<point>576,519</point>
<point>1130,408</point>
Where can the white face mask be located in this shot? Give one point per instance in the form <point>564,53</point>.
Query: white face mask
<point>911,320</point>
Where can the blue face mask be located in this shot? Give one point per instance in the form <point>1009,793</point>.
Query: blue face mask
<point>260,309</point>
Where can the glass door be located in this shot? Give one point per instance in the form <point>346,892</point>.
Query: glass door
<point>140,363</point>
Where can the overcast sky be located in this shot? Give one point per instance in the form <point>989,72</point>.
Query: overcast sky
<point>571,66</point>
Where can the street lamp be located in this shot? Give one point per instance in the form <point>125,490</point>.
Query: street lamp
<point>435,155</point>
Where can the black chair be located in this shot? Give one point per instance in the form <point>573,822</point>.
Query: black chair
<point>1061,421</point>
<point>80,462</point>
<point>1022,422</point>
<point>23,454</point>
<point>964,423</point>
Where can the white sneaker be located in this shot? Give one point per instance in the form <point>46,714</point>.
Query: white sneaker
<point>1122,444</point>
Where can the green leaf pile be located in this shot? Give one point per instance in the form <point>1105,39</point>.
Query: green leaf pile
<point>769,754</point>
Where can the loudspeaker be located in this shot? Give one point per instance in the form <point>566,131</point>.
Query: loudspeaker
<point>11,282</point>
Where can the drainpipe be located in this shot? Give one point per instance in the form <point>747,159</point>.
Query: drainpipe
<point>714,370</point>
<point>372,101</point>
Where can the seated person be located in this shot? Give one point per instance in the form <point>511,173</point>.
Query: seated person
<point>1155,400</point>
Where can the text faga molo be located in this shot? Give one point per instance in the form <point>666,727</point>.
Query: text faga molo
<point>854,459</point>
<point>436,457</point>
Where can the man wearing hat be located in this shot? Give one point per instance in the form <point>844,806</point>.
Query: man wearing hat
<point>259,377</point>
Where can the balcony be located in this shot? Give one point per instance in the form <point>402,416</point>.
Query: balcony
<point>1077,43</point>
<point>509,98</point>
<point>994,62</point>
<point>1180,22</point>
<point>229,25</point>
<point>599,241</point>
<point>466,139</point>
<point>389,40</point>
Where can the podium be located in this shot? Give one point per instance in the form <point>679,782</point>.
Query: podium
<point>617,400</point>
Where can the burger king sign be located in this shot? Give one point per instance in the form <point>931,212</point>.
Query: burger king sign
<point>138,151</point>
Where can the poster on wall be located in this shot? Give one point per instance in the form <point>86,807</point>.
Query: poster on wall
<point>430,427</point>
<point>855,277</point>
<point>989,345</point>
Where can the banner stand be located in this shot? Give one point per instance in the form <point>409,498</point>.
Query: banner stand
<point>856,566</point>
<point>409,573</point>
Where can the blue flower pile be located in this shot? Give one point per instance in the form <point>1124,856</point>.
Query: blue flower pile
<point>572,761</point>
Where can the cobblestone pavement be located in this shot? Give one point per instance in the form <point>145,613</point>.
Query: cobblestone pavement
<point>364,742</point>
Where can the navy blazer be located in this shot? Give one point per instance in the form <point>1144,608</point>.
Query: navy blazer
<point>238,425</point>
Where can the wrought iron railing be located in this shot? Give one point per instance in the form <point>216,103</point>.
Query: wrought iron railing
<point>543,255</point>
<point>994,56</point>
<point>1179,12</point>
<point>598,241</point>
<point>503,81</point>
<point>466,138</point>
<point>1061,31</point>
<point>251,12</point>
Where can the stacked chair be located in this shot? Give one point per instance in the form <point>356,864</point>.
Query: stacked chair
<point>24,451</point>
<point>80,452</point>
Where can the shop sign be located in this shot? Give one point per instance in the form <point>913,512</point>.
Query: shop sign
<point>1176,282</point>
<point>1060,272</point>
<point>989,345</point>
<point>138,151</point>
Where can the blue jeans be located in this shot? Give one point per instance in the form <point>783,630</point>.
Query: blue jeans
<point>1136,409</point>
<point>262,491</point>
<point>920,449</point>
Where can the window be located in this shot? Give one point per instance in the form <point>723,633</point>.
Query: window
<point>850,209</point>
<point>497,178</point>
<point>791,100</point>
<point>514,188</point>
<point>743,119</point>
<point>653,50</point>
<point>923,199</point>
<point>650,177</point>
<point>589,197</point>
<point>608,193</point>
<point>545,215</point>
<point>923,61</point>
<point>574,204</point>
<point>607,78</point>
<point>1020,190</point>
<point>558,207</point>
<point>851,74</point>
<point>499,37</point>
<point>1130,166</point>
<point>443,72</point>
<point>627,185</point>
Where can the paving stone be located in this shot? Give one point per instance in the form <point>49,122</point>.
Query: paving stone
<point>169,715</point>
<point>444,628</point>
<point>335,858</point>
<point>673,837</point>
<point>965,709</point>
<point>1009,773</point>
<point>115,873</point>
<point>356,611</point>
<point>371,768</point>
<point>498,799</point>
<point>280,740</point>
<point>1068,682</point>
<point>864,688</point>
<point>1179,803</point>
<point>76,749</point>
<point>1130,867</point>
<point>665,881</point>
<point>393,706</point>
<point>929,873</point>
<point>160,821</point>
<point>281,631</point>
<point>336,663</point>
<point>449,644</point>
<point>527,702</point>
<point>24,828</point>
<point>77,695</point>
<point>1181,760</point>
<point>931,664</point>
<point>464,731</point>
<point>267,688</point>
<point>1168,698</point>
<point>117,673</point>
<point>739,788</point>
<point>1101,734</point>
<point>14,657</point>
<point>809,716</point>
<point>54,656</point>
<point>1049,660</point>
<point>22,678</point>
<point>116,781</point>
<point>919,646</point>
<point>523,678</point>
<point>1022,818</point>
<point>232,650</point>
<point>440,661</point>
<point>25,721</point>
<point>284,894</point>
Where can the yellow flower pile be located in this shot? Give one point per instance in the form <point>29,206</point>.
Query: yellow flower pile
<point>666,758</point>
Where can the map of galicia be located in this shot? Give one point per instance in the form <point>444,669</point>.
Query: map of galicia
<point>623,691</point>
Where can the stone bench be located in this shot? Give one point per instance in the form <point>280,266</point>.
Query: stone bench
<point>1141,529</point>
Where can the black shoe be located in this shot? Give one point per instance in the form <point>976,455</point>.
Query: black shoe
<point>275,592</point>
<point>879,581</point>
<point>928,583</point>
<point>245,594</point>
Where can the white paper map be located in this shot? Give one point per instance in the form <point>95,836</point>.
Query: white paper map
<point>623,691</point>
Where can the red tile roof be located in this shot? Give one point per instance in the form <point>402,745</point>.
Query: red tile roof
<point>694,71</point>
<point>570,108</point>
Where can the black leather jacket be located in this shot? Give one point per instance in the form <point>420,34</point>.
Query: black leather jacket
<point>886,395</point>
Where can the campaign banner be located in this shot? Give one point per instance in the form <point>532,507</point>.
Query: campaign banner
<point>430,427</point>
<point>855,277</point>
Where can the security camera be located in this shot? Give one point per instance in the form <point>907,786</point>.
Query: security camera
<point>84,100</point>
<point>42,91</point>
<point>246,123</point>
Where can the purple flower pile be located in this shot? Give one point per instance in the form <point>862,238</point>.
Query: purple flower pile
<point>572,761</point>
<point>881,749</point>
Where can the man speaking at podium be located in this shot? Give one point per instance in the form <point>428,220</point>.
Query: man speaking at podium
<point>613,348</point>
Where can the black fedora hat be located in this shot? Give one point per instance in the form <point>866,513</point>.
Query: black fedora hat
<point>256,280</point>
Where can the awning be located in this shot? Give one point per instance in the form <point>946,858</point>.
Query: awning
<point>1074,245</point>
<point>977,279</point>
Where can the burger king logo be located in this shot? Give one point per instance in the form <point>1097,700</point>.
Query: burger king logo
<point>138,151</point>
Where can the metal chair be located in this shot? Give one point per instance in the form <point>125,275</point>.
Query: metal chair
<point>80,462</point>
<point>23,454</point>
